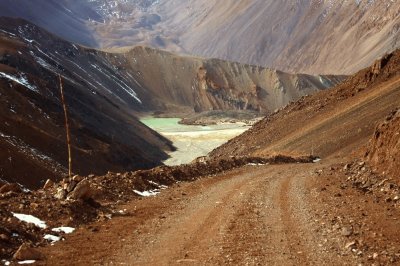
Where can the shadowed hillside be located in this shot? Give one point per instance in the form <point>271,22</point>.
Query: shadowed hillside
<point>106,136</point>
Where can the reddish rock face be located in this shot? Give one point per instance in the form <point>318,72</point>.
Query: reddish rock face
<point>384,148</point>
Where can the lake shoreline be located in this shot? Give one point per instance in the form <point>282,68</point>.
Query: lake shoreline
<point>192,141</point>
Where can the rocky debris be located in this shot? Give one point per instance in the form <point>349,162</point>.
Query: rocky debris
<point>81,200</point>
<point>363,218</point>
<point>362,177</point>
<point>26,252</point>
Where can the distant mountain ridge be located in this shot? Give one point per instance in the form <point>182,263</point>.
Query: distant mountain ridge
<point>302,36</point>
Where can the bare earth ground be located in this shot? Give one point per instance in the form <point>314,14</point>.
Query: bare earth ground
<point>255,215</point>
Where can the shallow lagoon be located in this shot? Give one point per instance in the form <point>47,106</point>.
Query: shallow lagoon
<point>192,141</point>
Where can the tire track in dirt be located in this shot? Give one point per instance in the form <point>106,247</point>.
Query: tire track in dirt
<point>194,231</point>
<point>263,215</point>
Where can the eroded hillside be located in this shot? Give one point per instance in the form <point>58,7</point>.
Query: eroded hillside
<point>329,123</point>
<point>306,36</point>
<point>199,84</point>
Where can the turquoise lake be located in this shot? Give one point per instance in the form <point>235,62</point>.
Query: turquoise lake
<point>192,141</point>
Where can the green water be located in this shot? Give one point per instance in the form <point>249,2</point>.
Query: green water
<point>161,124</point>
<point>192,141</point>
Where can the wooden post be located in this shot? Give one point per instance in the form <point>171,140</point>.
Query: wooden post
<point>66,128</point>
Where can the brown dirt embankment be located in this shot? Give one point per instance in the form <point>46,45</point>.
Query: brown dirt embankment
<point>383,151</point>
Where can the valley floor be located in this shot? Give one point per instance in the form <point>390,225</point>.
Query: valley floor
<point>296,214</point>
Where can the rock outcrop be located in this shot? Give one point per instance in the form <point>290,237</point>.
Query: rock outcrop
<point>383,151</point>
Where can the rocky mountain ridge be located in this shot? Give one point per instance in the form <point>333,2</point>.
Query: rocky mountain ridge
<point>305,36</point>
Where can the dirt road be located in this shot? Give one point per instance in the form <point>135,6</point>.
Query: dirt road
<point>256,215</point>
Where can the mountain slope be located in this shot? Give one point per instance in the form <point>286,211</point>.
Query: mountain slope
<point>106,136</point>
<point>199,84</point>
<point>305,36</point>
<point>337,37</point>
<point>329,123</point>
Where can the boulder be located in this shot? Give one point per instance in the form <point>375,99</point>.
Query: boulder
<point>26,252</point>
<point>82,191</point>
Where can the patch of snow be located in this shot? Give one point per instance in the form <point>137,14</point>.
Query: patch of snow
<point>27,262</point>
<point>5,262</point>
<point>118,81</point>
<point>122,211</point>
<point>256,164</point>
<point>63,229</point>
<point>316,160</point>
<point>52,238</point>
<point>9,33</point>
<point>148,193</point>
<point>24,189</point>
<point>30,219</point>
<point>22,80</point>
<point>157,185</point>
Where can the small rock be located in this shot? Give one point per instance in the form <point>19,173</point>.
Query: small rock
<point>60,194</point>
<point>375,256</point>
<point>346,167</point>
<point>10,188</point>
<point>4,237</point>
<point>78,178</point>
<point>34,205</point>
<point>25,252</point>
<point>347,231</point>
<point>49,184</point>
<point>350,245</point>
